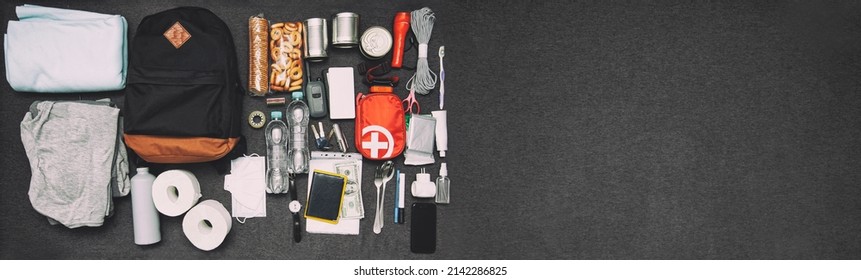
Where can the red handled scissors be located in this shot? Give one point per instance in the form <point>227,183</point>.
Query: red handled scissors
<point>410,101</point>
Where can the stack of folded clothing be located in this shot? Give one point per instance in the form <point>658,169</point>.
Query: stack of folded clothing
<point>77,159</point>
<point>59,50</point>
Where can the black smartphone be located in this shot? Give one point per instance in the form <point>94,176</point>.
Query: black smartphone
<point>423,228</point>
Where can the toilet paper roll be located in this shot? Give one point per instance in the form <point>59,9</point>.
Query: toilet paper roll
<point>207,224</point>
<point>175,191</point>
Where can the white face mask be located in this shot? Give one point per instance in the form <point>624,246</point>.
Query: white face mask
<point>247,183</point>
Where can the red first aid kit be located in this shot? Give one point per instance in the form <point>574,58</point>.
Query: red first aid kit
<point>380,128</point>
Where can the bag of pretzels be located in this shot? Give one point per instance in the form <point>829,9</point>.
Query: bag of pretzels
<point>285,50</point>
<point>183,99</point>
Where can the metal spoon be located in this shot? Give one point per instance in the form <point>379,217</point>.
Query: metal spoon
<point>386,171</point>
<point>378,181</point>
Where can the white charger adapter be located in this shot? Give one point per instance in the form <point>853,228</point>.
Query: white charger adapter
<point>423,186</point>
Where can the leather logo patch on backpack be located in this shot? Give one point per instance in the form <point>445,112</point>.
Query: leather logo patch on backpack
<point>177,35</point>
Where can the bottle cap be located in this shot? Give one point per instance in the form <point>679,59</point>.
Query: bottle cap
<point>143,169</point>
<point>298,95</point>
<point>443,170</point>
<point>275,115</point>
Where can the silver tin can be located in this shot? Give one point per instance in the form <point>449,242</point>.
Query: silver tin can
<point>316,37</point>
<point>345,30</point>
<point>376,42</point>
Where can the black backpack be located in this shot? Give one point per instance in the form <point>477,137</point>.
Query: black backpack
<point>183,99</point>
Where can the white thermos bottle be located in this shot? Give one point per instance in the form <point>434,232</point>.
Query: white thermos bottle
<point>145,216</point>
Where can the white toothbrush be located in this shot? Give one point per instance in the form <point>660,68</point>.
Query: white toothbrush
<point>441,77</point>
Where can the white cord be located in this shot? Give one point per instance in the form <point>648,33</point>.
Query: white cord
<point>424,80</point>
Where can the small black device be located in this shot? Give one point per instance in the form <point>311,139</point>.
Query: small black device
<point>316,93</point>
<point>423,228</point>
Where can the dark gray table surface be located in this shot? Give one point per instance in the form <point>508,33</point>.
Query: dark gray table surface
<point>577,130</point>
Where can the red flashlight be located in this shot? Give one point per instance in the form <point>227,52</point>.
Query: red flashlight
<point>400,28</point>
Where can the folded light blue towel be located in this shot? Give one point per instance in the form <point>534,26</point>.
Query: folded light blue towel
<point>60,50</point>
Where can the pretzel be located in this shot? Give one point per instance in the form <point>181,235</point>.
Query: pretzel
<point>276,33</point>
<point>291,26</point>
<point>296,82</point>
<point>272,78</point>
<point>287,62</point>
<point>275,52</point>
<point>277,68</point>
<point>281,79</point>
<point>295,74</point>
<point>295,54</point>
<point>295,38</point>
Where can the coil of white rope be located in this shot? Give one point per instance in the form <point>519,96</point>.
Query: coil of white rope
<point>424,80</point>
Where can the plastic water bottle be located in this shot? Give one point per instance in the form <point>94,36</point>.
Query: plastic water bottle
<point>277,180</point>
<point>297,115</point>
<point>144,215</point>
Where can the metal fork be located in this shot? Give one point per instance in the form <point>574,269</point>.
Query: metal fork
<point>381,177</point>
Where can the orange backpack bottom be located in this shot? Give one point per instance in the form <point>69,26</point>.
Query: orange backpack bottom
<point>167,149</point>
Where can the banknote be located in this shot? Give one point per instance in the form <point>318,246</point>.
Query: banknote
<point>352,207</point>
<point>351,170</point>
